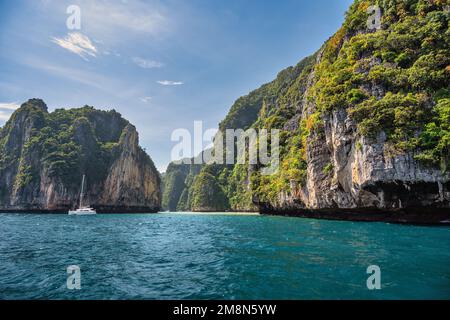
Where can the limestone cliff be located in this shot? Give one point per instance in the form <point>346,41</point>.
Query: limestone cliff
<point>178,185</point>
<point>365,124</point>
<point>44,155</point>
<point>366,120</point>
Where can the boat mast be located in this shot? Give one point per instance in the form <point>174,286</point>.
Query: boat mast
<point>82,191</point>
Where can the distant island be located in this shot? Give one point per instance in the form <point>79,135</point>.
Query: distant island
<point>365,127</point>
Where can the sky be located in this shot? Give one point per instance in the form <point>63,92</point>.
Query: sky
<point>161,64</point>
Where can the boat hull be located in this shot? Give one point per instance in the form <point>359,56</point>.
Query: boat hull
<point>82,213</point>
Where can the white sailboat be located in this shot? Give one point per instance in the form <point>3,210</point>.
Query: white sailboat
<point>86,210</point>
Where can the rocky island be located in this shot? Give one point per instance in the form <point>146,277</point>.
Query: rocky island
<point>365,127</point>
<point>44,155</point>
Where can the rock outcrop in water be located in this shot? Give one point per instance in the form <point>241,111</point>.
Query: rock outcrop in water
<point>364,124</point>
<point>44,155</point>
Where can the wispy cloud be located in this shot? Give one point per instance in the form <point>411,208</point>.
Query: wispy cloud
<point>9,107</point>
<point>77,43</point>
<point>146,99</point>
<point>170,83</point>
<point>147,64</point>
<point>134,15</point>
<point>112,86</point>
<point>114,22</point>
<point>88,78</point>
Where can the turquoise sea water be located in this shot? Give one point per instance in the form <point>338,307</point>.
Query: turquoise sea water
<point>188,256</point>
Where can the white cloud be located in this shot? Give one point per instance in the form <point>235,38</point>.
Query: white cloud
<point>147,64</point>
<point>112,22</point>
<point>170,83</point>
<point>9,106</point>
<point>112,86</point>
<point>132,15</point>
<point>88,78</point>
<point>146,99</point>
<point>78,44</point>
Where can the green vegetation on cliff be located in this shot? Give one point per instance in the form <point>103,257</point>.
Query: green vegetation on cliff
<point>395,80</point>
<point>174,185</point>
<point>38,149</point>
<point>276,110</point>
<point>68,142</point>
<point>178,180</point>
<point>207,194</point>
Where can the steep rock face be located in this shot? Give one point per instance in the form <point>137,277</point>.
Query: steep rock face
<point>361,168</point>
<point>207,194</point>
<point>44,155</point>
<point>364,124</point>
<point>132,182</point>
<point>174,185</point>
<point>364,175</point>
<point>232,183</point>
<point>366,182</point>
<point>178,183</point>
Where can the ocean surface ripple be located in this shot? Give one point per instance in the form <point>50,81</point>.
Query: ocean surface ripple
<point>195,256</point>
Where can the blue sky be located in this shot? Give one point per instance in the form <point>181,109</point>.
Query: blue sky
<point>161,64</point>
